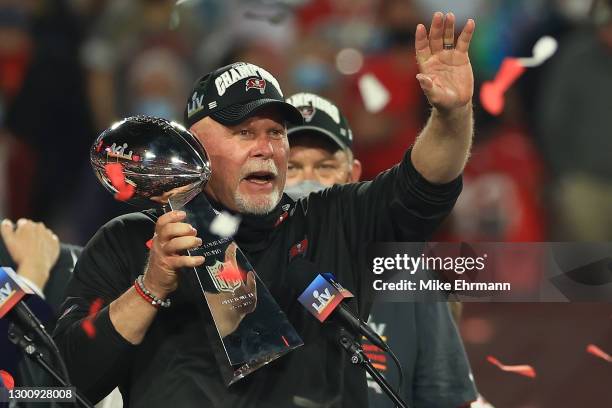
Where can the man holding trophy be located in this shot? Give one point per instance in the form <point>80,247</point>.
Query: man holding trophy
<point>151,340</point>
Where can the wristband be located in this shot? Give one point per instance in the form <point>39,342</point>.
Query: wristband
<point>148,296</point>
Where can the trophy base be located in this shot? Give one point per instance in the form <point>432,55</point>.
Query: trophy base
<point>248,368</point>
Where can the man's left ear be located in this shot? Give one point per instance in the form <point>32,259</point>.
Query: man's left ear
<point>355,171</point>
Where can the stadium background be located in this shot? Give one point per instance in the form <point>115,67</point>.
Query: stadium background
<point>540,171</point>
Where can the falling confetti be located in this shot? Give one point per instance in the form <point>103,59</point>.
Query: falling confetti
<point>526,370</point>
<point>492,92</point>
<point>225,225</point>
<point>7,380</point>
<point>597,352</point>
<point>87,324</point>
<point>543,49</point>
<point>373,93</point>
<point>125,191</point>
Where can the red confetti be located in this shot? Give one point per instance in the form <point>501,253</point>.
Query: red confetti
<point>149,243</point>
<point>87,324</point>
<point>597,352</point>
<point>285,340</point>
<point>526,370</point>
<point>125,191</point>
<point>7,380</point>
<point>492,92</point>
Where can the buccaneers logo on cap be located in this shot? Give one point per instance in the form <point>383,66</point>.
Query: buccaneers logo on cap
<point>256,83</point>
<point>307,112</point>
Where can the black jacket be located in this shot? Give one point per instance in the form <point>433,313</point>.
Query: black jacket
<point>174,365</point>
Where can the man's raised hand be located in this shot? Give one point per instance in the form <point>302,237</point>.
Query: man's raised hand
<point>445,72</point>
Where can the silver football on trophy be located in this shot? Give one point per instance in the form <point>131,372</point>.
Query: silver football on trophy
<point>157,159</point>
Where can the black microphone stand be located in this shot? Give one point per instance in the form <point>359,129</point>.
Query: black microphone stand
<point>18,337</point>
<point>358,357</point>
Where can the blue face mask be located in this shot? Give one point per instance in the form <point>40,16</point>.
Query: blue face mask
<point>303,188</point>
<point>311,75</point>
<point>158,107</point>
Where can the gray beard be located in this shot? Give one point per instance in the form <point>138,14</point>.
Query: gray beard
<point>245,206</point>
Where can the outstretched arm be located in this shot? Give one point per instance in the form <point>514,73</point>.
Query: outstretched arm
<point>442,149</point>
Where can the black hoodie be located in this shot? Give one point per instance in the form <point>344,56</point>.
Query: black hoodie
<point>174,366</point>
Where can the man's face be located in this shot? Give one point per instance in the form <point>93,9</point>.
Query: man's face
<point>315,158</point>
<point>248,161</point>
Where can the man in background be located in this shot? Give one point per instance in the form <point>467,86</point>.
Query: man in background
<point>574,122</point>
<point>423,335</point>
<point>35,253</point>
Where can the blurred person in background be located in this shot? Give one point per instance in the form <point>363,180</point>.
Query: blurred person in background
<point>574,124</point>
<point>311,66</point>
<point>156,78</point>
<point>135,62</point>
<point>16,175</point>
<point>124,30</point>
<point>154,82</point>
<point>17,164</point>
<point>544,19</point>
<point>256,31</point>
<point>329,28</point>
<point>423,335</point>
<point>387,130</point>
<point>502,197</point>
<point>197,33</point>
<point>46,110</point>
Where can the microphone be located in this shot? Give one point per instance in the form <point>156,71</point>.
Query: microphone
<point>12,306</point>
<point>322,296</point>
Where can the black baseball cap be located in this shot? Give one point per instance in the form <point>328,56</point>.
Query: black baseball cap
<point>235,92</point>
<point>321,117</point>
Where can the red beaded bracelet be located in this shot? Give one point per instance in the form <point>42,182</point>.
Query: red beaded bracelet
<point>148,296</point>
<point>145,297</point>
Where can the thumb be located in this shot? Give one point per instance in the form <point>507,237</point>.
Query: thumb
<point>7,229</point>
<point>426,82</point>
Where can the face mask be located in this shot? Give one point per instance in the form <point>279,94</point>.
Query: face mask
<point>312,75</point>
<point>158,107</point>
<point>303,189</point>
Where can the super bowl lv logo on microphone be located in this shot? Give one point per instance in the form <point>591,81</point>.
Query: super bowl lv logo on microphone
<point>323,295</point>
<point>11,292</point>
